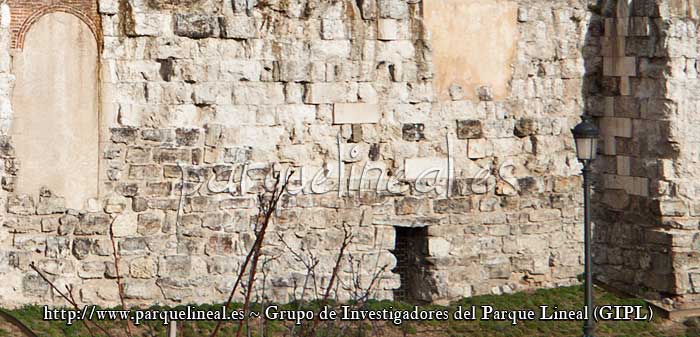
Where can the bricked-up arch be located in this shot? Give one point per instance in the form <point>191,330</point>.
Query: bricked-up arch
<point>26,12</point>
<point>55,101</point>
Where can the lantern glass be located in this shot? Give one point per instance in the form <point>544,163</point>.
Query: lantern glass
<point>586,148</point>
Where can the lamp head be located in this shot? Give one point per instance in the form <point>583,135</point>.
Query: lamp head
<point>586,135</point>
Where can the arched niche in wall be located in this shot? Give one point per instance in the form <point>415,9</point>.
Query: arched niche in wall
<point>55,128</point>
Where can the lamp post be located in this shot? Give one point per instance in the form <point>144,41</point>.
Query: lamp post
<point>586,135</point>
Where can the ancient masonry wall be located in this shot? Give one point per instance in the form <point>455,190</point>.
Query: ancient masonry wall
<point>197,89</point>
<point>647,221</point>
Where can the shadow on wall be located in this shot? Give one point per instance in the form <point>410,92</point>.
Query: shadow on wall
<point>624,76</point>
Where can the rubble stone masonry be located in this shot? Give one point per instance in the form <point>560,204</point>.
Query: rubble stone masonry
<point>201,100</point>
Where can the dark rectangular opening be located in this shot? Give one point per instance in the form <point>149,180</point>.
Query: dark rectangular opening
<point>411,251</point>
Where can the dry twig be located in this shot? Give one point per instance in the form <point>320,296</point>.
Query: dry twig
<point>120,286</point>
<point>267,209</point>
<point>69,298</point>
<point>347,240</point>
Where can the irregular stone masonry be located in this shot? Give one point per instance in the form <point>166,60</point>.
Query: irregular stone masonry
<point>195,93</point>
<point>647,226</point>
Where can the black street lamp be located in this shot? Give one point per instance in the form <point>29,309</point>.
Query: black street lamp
<point>586,135</point>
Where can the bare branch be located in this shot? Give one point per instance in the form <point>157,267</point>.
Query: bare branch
<point>70,300</point>
<point>119,278</point>
<point>265,213</point>
<point>347,240</point>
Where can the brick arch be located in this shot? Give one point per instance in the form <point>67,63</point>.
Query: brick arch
<point>25,13</point>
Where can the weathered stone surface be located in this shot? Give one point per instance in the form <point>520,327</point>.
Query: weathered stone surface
<point>125,224</point>
<point>82,247</point>
<point>526,127</point>
<point>91,224</point>
<point>67,224</point>
<point>196,26</point>
<point>195,90</point>
<point>426,168</point>
<point>239,27</point>
<point>34,285</point>
<point>175,266</point>
<point>20,204</point>
<point>469,129</point>
<point>140,290</point>
<point>92,270</point>
<point>132,245</point>
<point>413,132</point>
<point>142,267</point>
<point>149,223</point>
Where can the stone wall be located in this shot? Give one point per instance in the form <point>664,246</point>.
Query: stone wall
<point>196,94</point>
<point>647,225</point>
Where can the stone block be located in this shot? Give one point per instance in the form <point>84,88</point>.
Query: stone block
<point>526,127</point>
<point>469,129</point>
<point>211,93</point>
<point>295,114</point>
<point>34,285</point>
<point>641,187</point>
<point>138,155</point>
<point>507,146</point>
<point>49,224</point>
<point>240,70</point>
<point>640,26</point>
<point>413,132</point>
<point>171,156</point>
<point>20,204</point>
<point>439,247</point>
<point>196,26</point>
<point>479,148</point>
<point>58,247</point>
<point>141,290</point>
<point>145,172</point>
<point>393,9</point>
<point>147,24</point>
<point>258,93</point>
<point>388,29</point>
<point>368,9</point>
<point>125,224</point>
<point>92,270</point>
<point>453,205</point>
<point>623,165</point>
<point>115,204</point>
<point>620,66</point>
<point>239,27</point>
<point>333,29</point>
<point>109,7</point>
<point>219,245</point>
<point>609,146</point>
<point>67,224</point>
<point>149,223</point>
<point>82,248</point>
<point>93,224</point>
<point>616,127</point>
<point>175,266</point>
<point>673,208</point>
<point>330,50</point>
<point>426,168</point>
<point>326,93</point>
<point>412,206</point>
<point>543,215</point>
<point>356,113</point>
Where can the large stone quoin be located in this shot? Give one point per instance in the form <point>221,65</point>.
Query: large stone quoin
<point>449,155</point>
